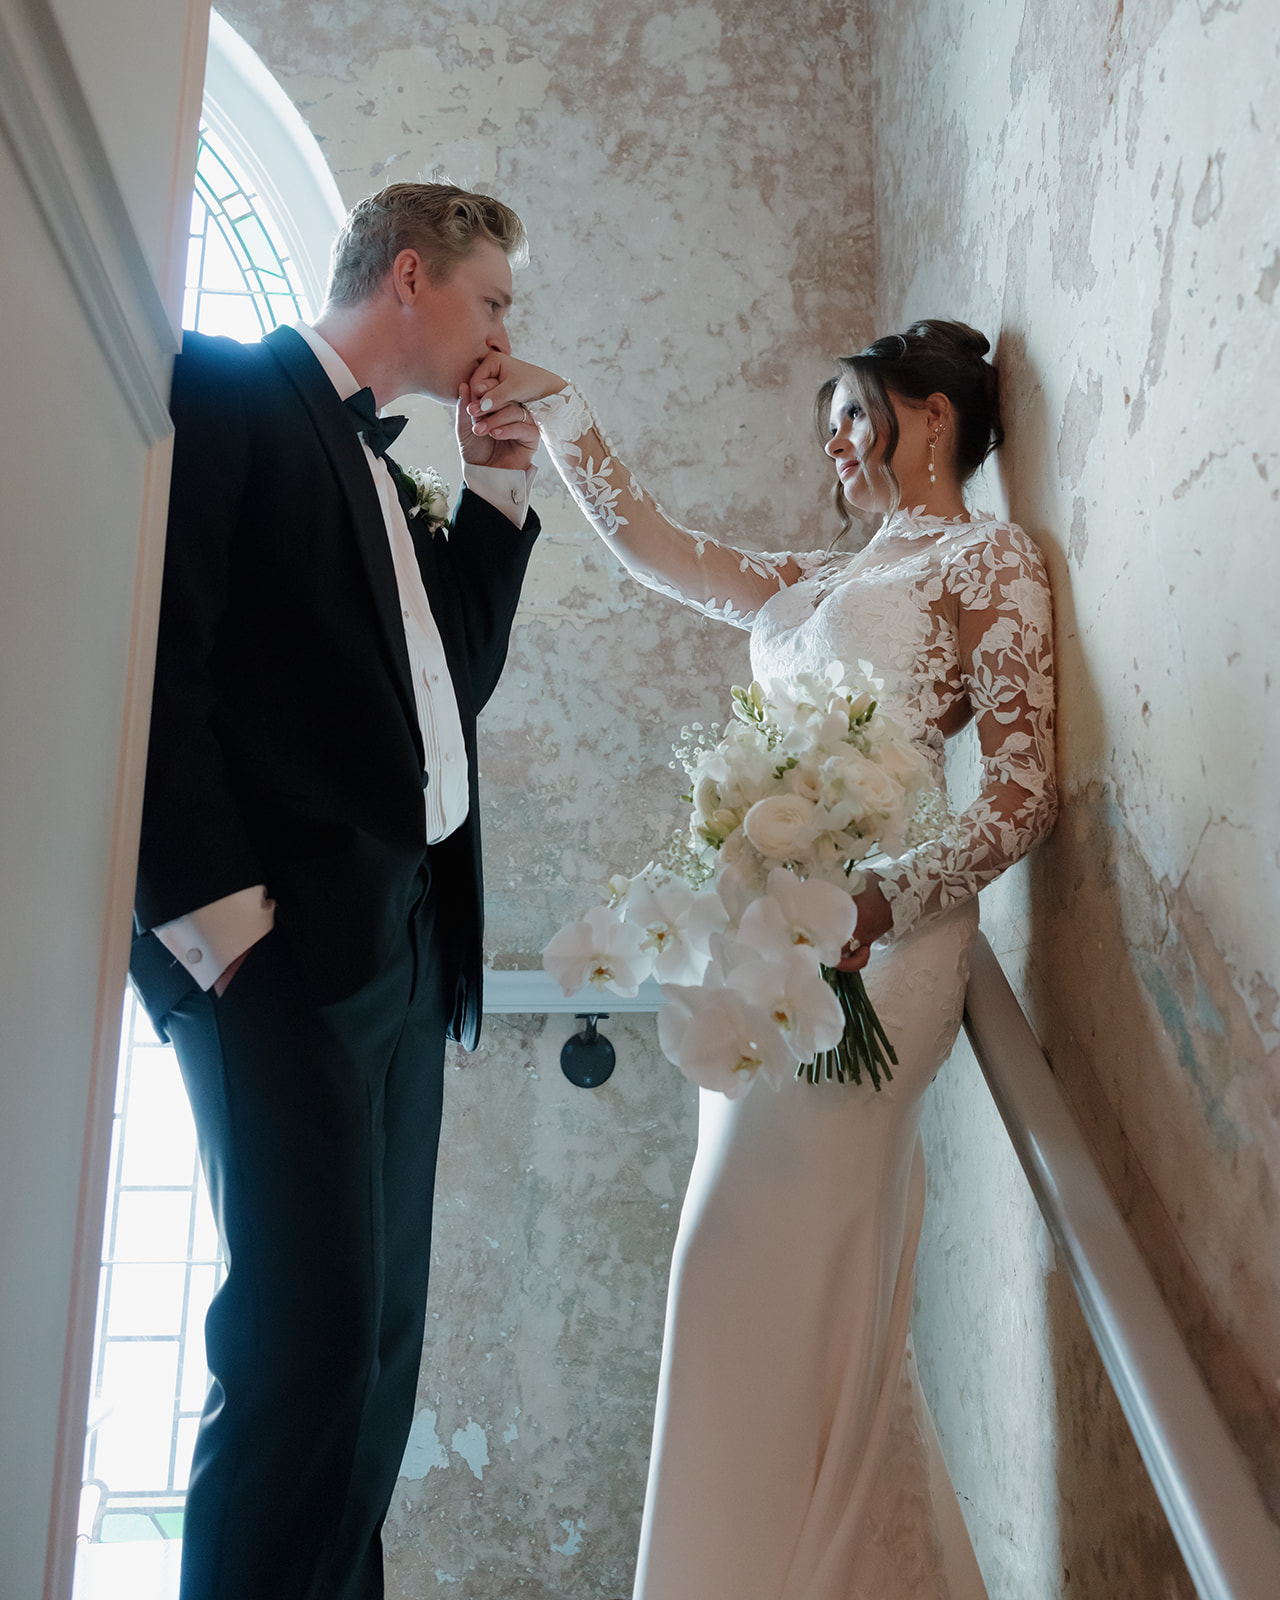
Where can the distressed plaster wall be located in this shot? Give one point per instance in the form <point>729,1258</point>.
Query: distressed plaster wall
<point>696,184</point>
<point>1095,185</point>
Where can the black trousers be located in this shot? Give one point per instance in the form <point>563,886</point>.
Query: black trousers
<point>318,1128</point>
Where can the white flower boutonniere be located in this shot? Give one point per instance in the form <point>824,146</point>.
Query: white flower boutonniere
<point>430,496</point>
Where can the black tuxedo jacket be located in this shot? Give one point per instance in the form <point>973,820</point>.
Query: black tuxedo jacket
<point>285,746</point>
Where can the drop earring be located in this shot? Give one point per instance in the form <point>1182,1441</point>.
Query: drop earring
<point>933,445</point>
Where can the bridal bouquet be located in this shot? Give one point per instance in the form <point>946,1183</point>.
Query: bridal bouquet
<point>744,921</point>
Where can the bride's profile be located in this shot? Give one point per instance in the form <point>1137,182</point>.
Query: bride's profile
<point>793,1455</point>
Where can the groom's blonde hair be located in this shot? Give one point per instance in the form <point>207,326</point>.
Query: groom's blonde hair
<point>441,222</point>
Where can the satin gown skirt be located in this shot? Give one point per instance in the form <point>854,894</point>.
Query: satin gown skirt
<point>793,1455</point>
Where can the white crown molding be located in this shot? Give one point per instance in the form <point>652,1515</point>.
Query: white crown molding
<point>46,120</point>
<point>535,993</point>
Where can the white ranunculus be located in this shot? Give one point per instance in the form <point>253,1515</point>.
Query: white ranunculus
<point>777,825</point>
<point>601,950</point>
<point>805,779</point>
<point>866,784</point>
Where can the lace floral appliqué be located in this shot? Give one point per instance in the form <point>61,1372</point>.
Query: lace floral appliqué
<point>954,616</point>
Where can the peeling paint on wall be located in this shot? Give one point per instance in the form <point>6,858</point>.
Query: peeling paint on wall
<point>1096,189</point>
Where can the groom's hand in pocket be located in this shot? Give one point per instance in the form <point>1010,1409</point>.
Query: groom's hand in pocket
<point>228,972</point>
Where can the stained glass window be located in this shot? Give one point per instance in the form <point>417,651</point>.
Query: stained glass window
<point>238,274</point>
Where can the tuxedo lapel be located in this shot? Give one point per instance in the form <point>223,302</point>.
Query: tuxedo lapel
<point>341,444</point>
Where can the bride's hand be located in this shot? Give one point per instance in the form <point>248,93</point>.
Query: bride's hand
<point>511,445</point>
<point>875,919</point>
<point>500,385</point>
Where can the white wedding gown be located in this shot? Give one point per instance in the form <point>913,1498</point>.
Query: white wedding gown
<point>793,1454</point>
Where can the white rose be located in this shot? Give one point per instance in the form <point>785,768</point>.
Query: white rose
<point>776,824</point>
<point>865,782</point>
<point>904,763</point>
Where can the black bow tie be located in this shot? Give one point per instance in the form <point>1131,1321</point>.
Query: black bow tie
<point>380,433</point>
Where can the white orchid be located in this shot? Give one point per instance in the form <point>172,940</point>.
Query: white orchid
<point>601,950</point>
<point>721,1040</point>
<point>799,911</point>
<point>796,998</point>
<point>676,924</point>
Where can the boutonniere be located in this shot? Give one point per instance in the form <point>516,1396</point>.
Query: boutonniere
<point>428,495</point>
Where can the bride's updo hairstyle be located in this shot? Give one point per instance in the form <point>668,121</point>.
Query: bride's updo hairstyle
<point>931,357</point>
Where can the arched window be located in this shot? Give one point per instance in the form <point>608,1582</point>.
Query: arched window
<point>239,279</point>
<point>264,211</point>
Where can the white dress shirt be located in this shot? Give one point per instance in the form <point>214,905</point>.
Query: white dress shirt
<point>206,941</point>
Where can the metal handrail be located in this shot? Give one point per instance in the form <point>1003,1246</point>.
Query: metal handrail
<point>1215,1510</point>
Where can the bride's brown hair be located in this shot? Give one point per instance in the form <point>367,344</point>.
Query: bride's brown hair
<point>931,357</point>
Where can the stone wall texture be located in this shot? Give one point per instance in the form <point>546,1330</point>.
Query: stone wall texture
<point>1095,186</point>
<point>721,196</point>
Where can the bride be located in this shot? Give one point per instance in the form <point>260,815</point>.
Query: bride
<point>793,1455</point>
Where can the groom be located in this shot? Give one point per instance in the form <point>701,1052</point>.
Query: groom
<point>309,900</point>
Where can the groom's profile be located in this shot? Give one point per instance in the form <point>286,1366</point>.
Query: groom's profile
<point>309,901</point>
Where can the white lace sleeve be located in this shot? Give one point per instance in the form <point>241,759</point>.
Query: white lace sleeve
<point>999,592</point>
<point>692,567</point>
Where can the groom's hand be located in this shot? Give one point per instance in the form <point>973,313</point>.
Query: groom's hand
<point>500,387</point>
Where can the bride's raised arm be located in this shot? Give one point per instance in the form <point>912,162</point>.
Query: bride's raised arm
<point>724,582</point>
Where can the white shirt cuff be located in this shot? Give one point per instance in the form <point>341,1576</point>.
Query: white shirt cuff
<point>507,489</point>
<point>208,940</point>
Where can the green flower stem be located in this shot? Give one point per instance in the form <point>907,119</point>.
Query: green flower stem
<point>864,1043</point>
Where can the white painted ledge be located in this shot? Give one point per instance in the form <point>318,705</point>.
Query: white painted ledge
<point>534,993</point>
<point>1214,1507</point>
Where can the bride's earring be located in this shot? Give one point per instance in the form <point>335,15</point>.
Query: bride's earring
<point>933,445</point>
